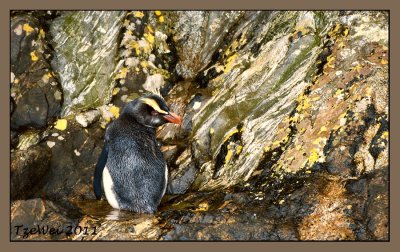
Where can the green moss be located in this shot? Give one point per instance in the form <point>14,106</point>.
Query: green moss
<point>321,21</point>
<point>292,68</point>
<point>281,24</point>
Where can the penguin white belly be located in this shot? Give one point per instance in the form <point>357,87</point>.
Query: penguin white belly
<point>166,180</point>
<point>109,189</point>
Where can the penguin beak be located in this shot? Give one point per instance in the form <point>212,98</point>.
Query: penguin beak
<point>173,118</point>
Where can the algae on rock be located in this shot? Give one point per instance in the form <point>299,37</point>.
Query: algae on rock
<point>85,44</point>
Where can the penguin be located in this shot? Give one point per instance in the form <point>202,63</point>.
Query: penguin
<point>131,166</point>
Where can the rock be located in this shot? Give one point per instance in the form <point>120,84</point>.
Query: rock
<point>328,221</point>
<point>87,118</point>
<point>86,80</point>
<point>31,110</point>
<point>23,33</point>
<point>250,99</point>
<point>14,139</point>
<point>154,83</point>
<point>70,174</point>
<point>197,36</point>
<point>378,207</point>
<point>34,86</point>
<point>28,171</point>
<point>41,219</point>
<point>137,227</point>
<point>180,183</point>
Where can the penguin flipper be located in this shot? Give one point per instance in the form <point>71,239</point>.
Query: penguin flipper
<point>98,173</point>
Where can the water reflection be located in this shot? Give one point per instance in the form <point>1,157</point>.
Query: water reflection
<point>113,215</point>
<point>100,209</point>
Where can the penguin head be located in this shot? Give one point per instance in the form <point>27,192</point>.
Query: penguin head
<point>151,110</point>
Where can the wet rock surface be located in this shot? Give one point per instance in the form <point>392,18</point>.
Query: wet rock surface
<point>28,167</point>
<point>285,122</point>
<point>33,220</point>
<point>35,91</point>
<point>73,158</point>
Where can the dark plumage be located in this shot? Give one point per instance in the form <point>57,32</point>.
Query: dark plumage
<point>131,165</point>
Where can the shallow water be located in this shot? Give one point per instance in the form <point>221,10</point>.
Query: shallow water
<point>100,209</point>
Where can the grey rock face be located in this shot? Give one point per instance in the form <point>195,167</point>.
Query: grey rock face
<point>198,34</point>
<point>85,44</point>
<point>252,98</point>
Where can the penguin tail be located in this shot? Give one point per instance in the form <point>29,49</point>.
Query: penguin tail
<point>98,173</point>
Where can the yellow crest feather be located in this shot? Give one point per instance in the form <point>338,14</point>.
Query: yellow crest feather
<point>152,103</point>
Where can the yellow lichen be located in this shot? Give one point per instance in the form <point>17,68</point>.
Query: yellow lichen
<point>150,29</point>
<point>115,111</point>
<point>285,139</point>
<point>335,30</point>
<point>230,133</point>
<point>115,91</point>
<point>228,156</point>
<point>158,13</point>
<point>346,31</point>
<point>28,29</point>
<point>323,129</point>
<point>267,148</point>
<point>276,143</point>
<point>339,92</point>
<point>139,14</point>
<point>135,45</point>
<point>203,206</point>
<point>161,19</point>
<point>211,131</point>
<point>329,59</point>
<point>42,34</point>
<point>357,68</point>
<point>232,48</point>
<point>385,135</point>
<point>316,141</point>
<point>149,38</point>
<point>144,64</point>
<point>239,149</point>
<point>229,63</point>
<point>313,157</point>
<point>343,115</point>
<point>33,56</point>
<point>303,103</point>
<point>46,77</point>
<point>384,62</point>
<point>122,73</point>
<point>61,124</point>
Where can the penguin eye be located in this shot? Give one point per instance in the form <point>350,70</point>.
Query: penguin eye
<point>154,113</point>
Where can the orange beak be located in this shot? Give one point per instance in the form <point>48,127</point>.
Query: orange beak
<point>173,118</point>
